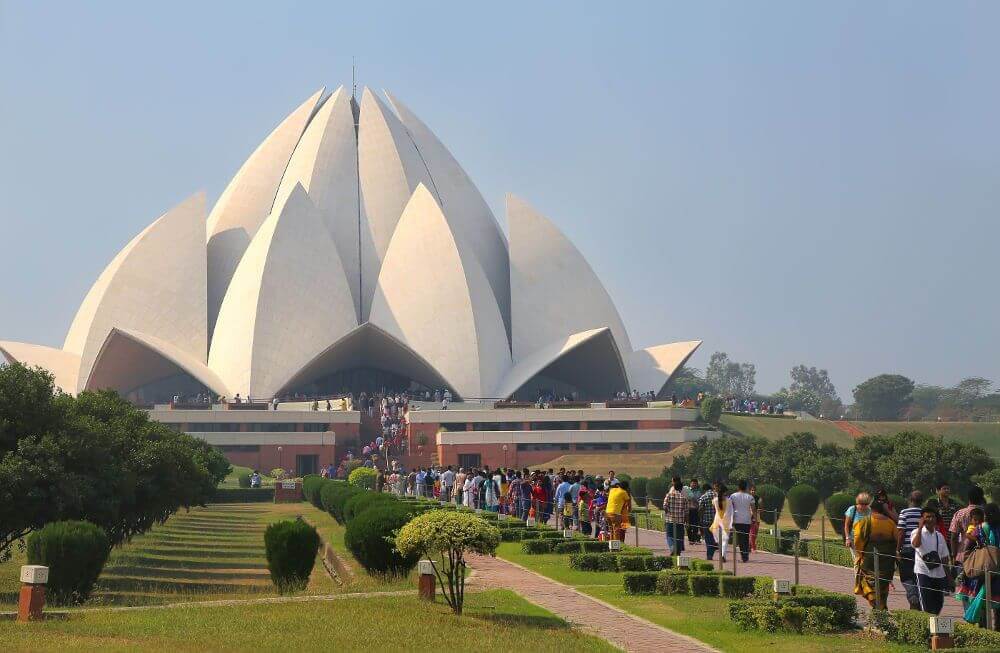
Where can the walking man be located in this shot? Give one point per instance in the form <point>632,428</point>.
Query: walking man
<point>743,509</point>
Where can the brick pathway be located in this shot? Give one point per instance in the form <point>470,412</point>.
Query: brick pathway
<point>831,577</point>
<point>622,629</point>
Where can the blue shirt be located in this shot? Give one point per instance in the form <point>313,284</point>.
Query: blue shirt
<point>574,491</point>
<point>561,492</point>
<point>421,477</point>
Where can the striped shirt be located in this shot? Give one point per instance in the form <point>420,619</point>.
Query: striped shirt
<point>909,519</point>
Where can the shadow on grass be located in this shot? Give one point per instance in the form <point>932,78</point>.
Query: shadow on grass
<point>522,620</point>
<point>148,586</point>
<point>145,562</point>
<point>188,574</point>
<point>205,554</point>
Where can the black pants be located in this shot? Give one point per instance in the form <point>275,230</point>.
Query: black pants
<point>741,538</point>
<point>908,578</point>
<point>693,530</point>
<point>932,592</point>
<point>710,544</point>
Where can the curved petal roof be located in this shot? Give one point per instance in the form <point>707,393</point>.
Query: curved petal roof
<point>553,289</point>
<point>129,359</point>
<point>64,366</point>
<point>651,368</point>
<point>155,285</point>
<point>325,163</point>
<point>248,199</point>
<point>288,299</point>
<point>439,302</point>
<point>594,351</point>
<point>390,169</point>
<point>471,219</point>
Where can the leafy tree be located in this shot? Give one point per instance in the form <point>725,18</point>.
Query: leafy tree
<point>686,382</point>
<point>730,378</point>
<point>884,396</point>
<point>812,380</point>
<point>990,482</point>
<point>363,477</point>
<point>827,471</point>
<point>972,389</point>
<point>448,536</point>
<point>94,458</point>
<point>800,399</point>
<point>711,409</point>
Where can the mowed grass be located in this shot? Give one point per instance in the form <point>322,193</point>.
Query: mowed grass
<point>775,428</point>
<point>634,464</point>
<point>703,618</point>
<point>498,620</point>
<point>210,553</point>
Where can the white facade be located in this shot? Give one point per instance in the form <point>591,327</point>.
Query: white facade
<point>351,239</point>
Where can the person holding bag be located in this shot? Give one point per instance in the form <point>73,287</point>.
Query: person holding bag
<point>931,554</point>
<point>982,556</point>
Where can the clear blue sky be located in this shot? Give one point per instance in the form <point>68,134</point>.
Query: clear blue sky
<point>790,182</point>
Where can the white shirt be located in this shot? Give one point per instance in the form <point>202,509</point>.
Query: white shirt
<point>448,478</point>
<point>742,507</point>
<point>929,541</point>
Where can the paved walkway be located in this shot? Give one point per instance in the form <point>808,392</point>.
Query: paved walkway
<point>622,629</point>
<point>818,574</point>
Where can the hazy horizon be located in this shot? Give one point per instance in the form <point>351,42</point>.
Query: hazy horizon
<point>790,183</point>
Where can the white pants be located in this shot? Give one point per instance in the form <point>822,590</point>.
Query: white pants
<point>722,539</point>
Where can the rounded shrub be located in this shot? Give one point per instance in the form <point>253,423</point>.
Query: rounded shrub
<point>657,488</point>
<point>291,548</point>
<point>362,501</point>
<point>368,538</point>
<point>638,488</point>
<point>326,493</point>
<point>363,477</point>
<point>836,506</point>
<point>244,480</point>
<point>311,486</point>
<point>339,501</point>
<point>711,409</point>
<point>803,500</point>
<point>75,553</point>
<point>772,500</point>
<point>625,478</point>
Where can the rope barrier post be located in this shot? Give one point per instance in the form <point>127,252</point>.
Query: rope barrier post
<point>822,531</point>
<point>732,553</point>
<point>989,602</point>
<point>878,592</point>
<point>797,540</point>
<point>718,542</point>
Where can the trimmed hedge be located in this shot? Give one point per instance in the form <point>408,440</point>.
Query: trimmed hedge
<point>609,561</point>
<point>772,500</point>
<point>836,552</point>
<point>657,488</point>
<point>368,538</point>
<point>785,614</point>
<point>311,486</point>
<point>703,584</point>
<point>803,501</point>
<point>836,506</point>
<point>534,547</point>
<point>737,587</point>
<point>75,553</point>
<point>336,499</point>
<point>911,627</point>
<point>363,478</point>
<point>291,548</point>
<point>362,501</point>
<point>672,583</point>
<point>252,495</point>
<point>244,481</point>
<point>638,489</point>
<point>643,582</point>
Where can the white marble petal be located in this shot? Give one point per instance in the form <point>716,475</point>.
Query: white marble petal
<point>64,366</point>
<point>651,368</point>
<point>439,303</point>
<point>554,291</point>
<point>129,359</point>
<point>605,368</point>
<point>155,285</point>
<point>390,169</point>
<point>248,199</point>
<point>325,163</point>
<point>470,217</point>
<point>288,299</point>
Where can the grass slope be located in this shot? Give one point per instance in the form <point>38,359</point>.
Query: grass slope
<point>775,428</point>
<point>706,619</point>
<point>633,464</point>
<point>499,620</point>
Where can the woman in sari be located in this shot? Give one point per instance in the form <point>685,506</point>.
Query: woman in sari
<point>874,535</point>
<point>982,532</point>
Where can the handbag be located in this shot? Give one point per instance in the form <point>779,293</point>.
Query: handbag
<point>932,559</point>
<point>983,559</point>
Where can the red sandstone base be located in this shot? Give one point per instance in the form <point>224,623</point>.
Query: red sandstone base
<point>426,587</point>
<point>31,602</point>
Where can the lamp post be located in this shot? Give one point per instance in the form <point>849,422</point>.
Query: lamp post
<point>504,456</point>
<point>281,463</point>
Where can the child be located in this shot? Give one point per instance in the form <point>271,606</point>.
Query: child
<point>582,511</point>
<point>567,511</point>
<point>967,588</point>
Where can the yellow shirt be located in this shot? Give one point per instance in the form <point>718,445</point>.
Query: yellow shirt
<point>616,500</point>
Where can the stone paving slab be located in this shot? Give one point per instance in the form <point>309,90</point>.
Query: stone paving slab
<point>624,630</point>
<point>831,577</point>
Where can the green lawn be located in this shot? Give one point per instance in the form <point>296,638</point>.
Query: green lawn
<point>233,479</point>
<point>216,552</point>
<point>775,428</point>
<point>706,619</point>
<point>497,620</point>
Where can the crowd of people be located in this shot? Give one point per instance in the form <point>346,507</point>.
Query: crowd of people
<point>752,406</point>
<point>713,514</point>
<point>595,506</point>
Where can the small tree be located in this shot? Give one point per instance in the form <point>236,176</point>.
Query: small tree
<point>363,477</point>
<point>711,409</point>
<point>75,553</point>
<point>836,506</point>
<point>803,500</point>
<point>638,488</point>
<point>448,536</point>
<point>291,548</point>
<point>772,500</point>
<point>657,488</point>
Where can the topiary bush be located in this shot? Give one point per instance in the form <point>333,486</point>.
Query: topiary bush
<point>361,501</point>
<point>772,500</point>
<point>363,478</point>
<point>311,486</point>
<point>369,538</point>
<point>535,547</point>
<point>803,501</point>
<point>291,548</point>
<point>836,506</point>
<point>711,409</point>
<point>244,480</point>
<point>672,582</point>
<point>737,587</point>
<point>75,553</point>
<point>657,488</point>
<point>326,494</point>
<point>702,584</point>
<point>638,489</point>
<point>338,500</point>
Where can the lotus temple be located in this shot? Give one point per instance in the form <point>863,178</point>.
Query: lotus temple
<point>352,252</point>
